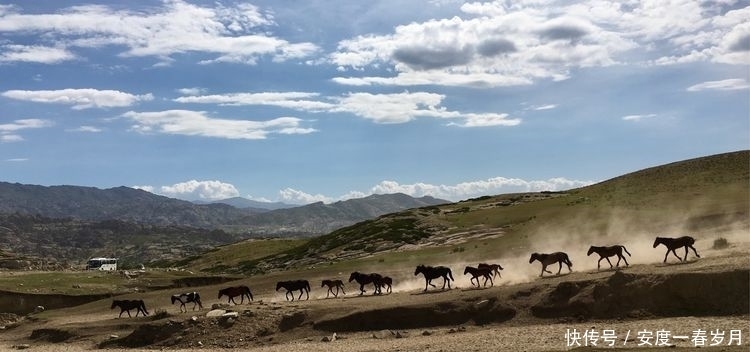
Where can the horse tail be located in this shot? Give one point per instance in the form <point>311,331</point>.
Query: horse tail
<point>198,300</point>
<point>450,274</point>
<point>567,260</point>
<point>174,299</point>
<point>249,293</point>
<point>626,251</point>
<point>307,285</point>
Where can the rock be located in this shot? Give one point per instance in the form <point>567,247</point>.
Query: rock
<point>219,306</point>
<point>200,343</point>
<point>426,333</point>
<point>231,314</point>
<point>113,336</point>
<point>216,313</point>
<point>193,319</point>
<point>22,346</point>
<point>400,335</point>
<point>39,309</point>
<point>76,286</point>
<point>248,313</point>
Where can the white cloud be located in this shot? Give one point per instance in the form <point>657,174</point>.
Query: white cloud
<point>10,138</point>
<point>505,43</point>
<point>406,106</point>
<point>8,131</point>
<point>293,196</point>
<point>544,107</point>
<point>235,33</point>
<point>149,189</point>
<point>90,129</point>
<point>464,190</point>
<point>34,53</point>
<point>197,123</point>
<point>79,98</point>
<point>727,84</point>
<point>16,160</point>
<point>292,100</point>
<point>191,91</point>
<point>193,189</point>
<point>638,117</point>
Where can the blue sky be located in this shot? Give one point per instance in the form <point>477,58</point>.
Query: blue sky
<point>302,101</point>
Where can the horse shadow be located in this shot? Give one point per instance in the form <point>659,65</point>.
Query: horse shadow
<point>552,276</point>
<point>430,292</point>
<point>691,261</point>
<point>476,288</point>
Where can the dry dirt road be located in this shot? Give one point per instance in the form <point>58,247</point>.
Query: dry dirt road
<point>705,297</point>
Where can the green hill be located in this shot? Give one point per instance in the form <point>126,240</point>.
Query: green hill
<point>703,196</point>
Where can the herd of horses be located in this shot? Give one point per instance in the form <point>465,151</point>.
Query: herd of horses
<point>380,282</point>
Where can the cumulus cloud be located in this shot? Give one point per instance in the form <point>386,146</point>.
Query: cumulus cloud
<point>198,123</point>
<point>727,84</point>
<point>79,98</point>
<point>90,129</point>
<point>204,190</point>
<point>506,43</point>
<point>406,106</point>
<point>191,91</point>
<point>460,191</point>
<point>231,33</point>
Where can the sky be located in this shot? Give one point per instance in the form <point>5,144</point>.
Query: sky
<point>305,101</point>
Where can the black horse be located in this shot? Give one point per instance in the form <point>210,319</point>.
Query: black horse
<point>127,305</point>
<point>483,271</point>
<point>338,284</point>
<point>673,243</point>
<point>364,279</point>
<point>302,285</point>
<point>494,268</point>
<point>434,272</point>
<point>606,252</point>
<point>552,258</point>
<point>187,298</point>
<point>235,291</point>
<point>387,281</point>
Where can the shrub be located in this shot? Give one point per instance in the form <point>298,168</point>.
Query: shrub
<point>721,243</point>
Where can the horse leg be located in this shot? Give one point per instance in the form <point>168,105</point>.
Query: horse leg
<point>560,268</point>
<point>342,289</point>
<point>599,263</point>
<point>619,257</point>
<point>129,316</point>
<point>542,273</point>
<point>694,251</point>
<point>361,289</point>
<point>610,263</point>
<point>674,251</point>
<point>492,283</point>
<point>625,259</point>
<point>686,254</point>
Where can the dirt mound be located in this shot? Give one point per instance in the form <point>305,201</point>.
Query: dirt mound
<point>421,316</point>
<point>627,295</point>
<point>51,335</point>
<point>148,334</point>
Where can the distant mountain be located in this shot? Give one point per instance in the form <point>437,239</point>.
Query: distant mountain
<point>141,207</point>
<point>244,203</point>
<point>120,203</point>
<point>319,218</point>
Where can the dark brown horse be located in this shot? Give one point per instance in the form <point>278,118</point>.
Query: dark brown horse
<point>127,305</point>
<point>434,272</point>
<point>484,271</point>
<point>235,291</point>
<point>673,243</point>
<point>387,281</point>
<point>303,286</point>
<point>552,258</point>
<point>338,284</point>
<point>187,298</point>
<point>606,252</point>
<point>494,268</point>
<point>364,279</point>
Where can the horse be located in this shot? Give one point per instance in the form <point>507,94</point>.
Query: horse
<point>434,272</point>
<point>552,258</point>
<point>302,285</point>
<point>673,243</point>
<point>494,268</point>
<point>483,271</point>
<point>187,298</point>
<point>127,305</point>
<point>364,279</point>
<point>235,291</point>
<point>338,284</point>
<point>387,281</point>
<point>606,252</point>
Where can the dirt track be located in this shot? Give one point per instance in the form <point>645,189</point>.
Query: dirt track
<point>706,294</point>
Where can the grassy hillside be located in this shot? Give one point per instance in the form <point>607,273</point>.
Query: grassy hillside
<point>701,196</point>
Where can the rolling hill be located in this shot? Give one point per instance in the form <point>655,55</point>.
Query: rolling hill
<point>703,196</point>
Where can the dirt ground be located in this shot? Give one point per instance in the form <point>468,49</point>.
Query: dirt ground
<point>702,297</point>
